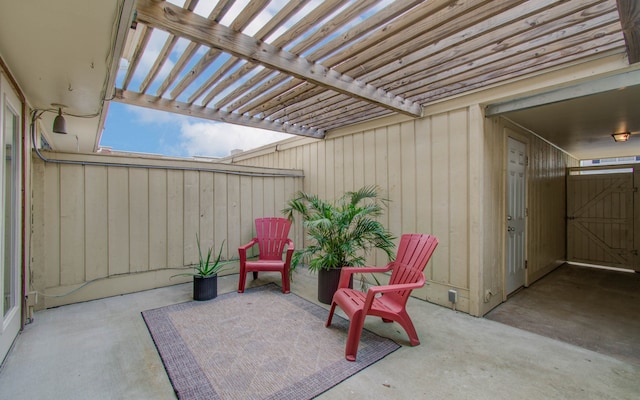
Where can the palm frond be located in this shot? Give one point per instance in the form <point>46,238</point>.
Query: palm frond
<point>343,232</point>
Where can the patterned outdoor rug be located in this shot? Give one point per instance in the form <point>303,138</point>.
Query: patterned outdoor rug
<point>258,345</point>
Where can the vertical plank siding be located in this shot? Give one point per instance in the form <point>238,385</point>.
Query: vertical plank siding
<point>547,208</point>
<point>444,175</point>
<point>113,229</point>
<point>421,167</point>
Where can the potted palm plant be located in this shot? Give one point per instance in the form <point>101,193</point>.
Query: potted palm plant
<point>205,273</point>
<point>340,233</point>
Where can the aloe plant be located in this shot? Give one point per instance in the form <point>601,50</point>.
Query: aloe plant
<point>343,232</point>
<point>205,266</point>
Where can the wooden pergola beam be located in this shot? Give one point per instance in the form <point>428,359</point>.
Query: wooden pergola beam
<point>176,107</point>
<point>629,11</point>
<point>183,23</point>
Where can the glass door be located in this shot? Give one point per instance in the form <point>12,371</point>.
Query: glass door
<point>10,307</point>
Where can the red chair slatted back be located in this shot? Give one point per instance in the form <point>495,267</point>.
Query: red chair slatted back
<point>272,235</point>
<point>414,252</point>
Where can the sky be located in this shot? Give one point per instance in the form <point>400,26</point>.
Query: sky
<point>142,130</point>
<point>135,129</point>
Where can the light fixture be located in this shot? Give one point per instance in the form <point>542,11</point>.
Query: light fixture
<point>59,124</point>
<point>621,137</point>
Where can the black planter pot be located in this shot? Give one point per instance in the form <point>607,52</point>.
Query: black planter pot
<point>205,288</point>
<point>328,280</point>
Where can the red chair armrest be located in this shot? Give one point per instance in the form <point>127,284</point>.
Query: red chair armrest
<point>375,290</point>
<point>346,273</point>
<point>242,250</point>
<point>248,245</point>
<point>397,287</point>
<point>289,254</point>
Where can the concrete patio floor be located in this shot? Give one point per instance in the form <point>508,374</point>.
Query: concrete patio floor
<point>102,350</point>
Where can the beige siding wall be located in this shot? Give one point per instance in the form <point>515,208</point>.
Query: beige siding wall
<point>112,229</point>
<point>445,175</point>
<point>546,197</point>
<point>428,168</point>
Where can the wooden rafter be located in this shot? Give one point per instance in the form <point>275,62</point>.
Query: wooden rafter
<point>164,53</point>
<point>330,26</point>
<point>520,36</point>
<point>181,22</point>
<point>156,103</point>
<point>238,24</point>
<point>216,14</point>
<point>289,36</point>
<point>145,34</point>
<point>630,20</point>
<point>550,61</point>
<point>274,23</point>
<point>502,62</point>
<point>441,42</point>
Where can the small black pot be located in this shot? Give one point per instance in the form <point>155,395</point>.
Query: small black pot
<point>205,288</point>
<point>328,280</point>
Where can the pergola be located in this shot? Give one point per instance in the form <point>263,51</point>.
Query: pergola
<point>314,67</point>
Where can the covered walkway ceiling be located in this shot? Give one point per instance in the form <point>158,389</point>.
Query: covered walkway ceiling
<point>306,67</point>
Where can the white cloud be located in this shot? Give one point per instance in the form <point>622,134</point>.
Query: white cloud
<point>218,139</point>
<point>150,116</point>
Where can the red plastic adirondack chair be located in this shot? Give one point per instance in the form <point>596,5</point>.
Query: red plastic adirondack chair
<point>271,238</point>
<point>388,301</point>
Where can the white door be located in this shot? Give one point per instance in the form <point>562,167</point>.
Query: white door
<point>10,307</point>
<point>516,215</point>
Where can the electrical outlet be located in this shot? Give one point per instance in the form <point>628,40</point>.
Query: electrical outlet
<point>32,298</point>
<point>453,296</point>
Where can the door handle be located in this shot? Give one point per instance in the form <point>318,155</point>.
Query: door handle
<point>509,218</point>
<point>511,229</point>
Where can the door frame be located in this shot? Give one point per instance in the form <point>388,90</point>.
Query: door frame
<point>9,92</point>
<point>512,134</point>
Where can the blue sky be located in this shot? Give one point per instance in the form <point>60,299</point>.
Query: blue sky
<point>136,129</point>
<point>142,130</point>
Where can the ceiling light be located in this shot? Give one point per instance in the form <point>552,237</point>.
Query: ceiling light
<point>59,124</point>
<point>621,137</point>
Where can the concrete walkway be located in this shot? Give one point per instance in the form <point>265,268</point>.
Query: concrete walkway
<point>102,350</point>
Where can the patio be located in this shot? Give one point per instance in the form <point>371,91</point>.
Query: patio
<point>102,350</point>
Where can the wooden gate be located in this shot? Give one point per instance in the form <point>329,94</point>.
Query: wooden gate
<point>602,216</point>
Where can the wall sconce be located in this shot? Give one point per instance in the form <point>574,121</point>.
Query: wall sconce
<point>621,137</point>
<point>59,124</point>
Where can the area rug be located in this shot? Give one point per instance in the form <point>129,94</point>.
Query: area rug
<point>261,344</point>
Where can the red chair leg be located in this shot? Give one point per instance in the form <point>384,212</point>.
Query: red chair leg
<point>330,317</point>
<point>285,282</point>
<point>241,281</point>
<point>353,337</point>
<point>407,324</point>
